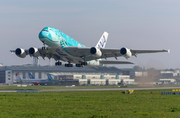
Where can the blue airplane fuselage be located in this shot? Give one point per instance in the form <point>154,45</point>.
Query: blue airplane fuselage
<point>58,41</point>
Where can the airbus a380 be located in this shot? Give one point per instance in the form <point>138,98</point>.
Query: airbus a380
<point>61,47</point>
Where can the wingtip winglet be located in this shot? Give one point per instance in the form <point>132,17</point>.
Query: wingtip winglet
<point>169,51</point>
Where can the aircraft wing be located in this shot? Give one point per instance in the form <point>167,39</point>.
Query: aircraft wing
<point>107,52</point>
<point>48,52</point>
<point>148,51</point>
<point>84,52</point>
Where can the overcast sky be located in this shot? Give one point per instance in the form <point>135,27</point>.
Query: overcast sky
<point>135,24</point>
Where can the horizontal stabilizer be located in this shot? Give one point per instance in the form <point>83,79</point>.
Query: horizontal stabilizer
<point>114,62</point>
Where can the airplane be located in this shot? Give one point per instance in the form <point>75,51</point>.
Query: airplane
<point>61,47</point>
<point>33,80</point>
<point>45,81</point>
<point>41,81</point>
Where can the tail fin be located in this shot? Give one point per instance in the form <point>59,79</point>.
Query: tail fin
<point>18,78</point>
<point>102,41</point>
<point>31,76</point>
<point>49,77</point>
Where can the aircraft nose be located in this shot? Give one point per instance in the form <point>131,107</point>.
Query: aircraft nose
<point>43,34</point>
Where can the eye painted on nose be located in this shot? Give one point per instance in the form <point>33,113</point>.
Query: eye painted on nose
<point>45,35</point>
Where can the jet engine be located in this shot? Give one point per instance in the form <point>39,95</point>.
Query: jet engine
<point>34,52</point>
<point>96,52</point>
<point>125,52</point>
<point>20,52</point>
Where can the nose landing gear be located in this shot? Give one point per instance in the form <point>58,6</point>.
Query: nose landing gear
<point>44,46</point>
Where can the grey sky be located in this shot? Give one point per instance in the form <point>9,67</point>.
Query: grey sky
<point>140,24</point>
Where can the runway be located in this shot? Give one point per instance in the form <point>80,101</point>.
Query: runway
<point>110,89</point>
<point>102,89</point>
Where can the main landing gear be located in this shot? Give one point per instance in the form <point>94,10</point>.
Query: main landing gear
<point>79,65</point>
<point>69,65</point>
<point>58,63</point>
<point>82,64</point>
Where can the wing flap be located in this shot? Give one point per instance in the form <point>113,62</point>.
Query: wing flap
<point>114,62</point>
<point>85,52</point>
<point>78,51</point>
<point>147,51</point>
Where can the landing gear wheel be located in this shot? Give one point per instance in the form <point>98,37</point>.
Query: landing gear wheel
<point>58,63</point>
<point>79,65</point>
<point>68,65</point>
<point>83,63</point>
<point>44,47</point>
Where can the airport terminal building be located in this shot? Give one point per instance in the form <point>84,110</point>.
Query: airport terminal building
<point>66,76</point>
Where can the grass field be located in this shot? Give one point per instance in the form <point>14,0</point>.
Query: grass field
<point>7,87</point>
<point>90,104</point>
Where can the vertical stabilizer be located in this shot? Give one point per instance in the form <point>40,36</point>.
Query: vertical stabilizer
<point>18,78</point>
<point>49,77</point>
<point>103,40</point>
<point>31,76</point>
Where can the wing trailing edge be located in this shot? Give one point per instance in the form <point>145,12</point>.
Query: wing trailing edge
<point>114,62</point>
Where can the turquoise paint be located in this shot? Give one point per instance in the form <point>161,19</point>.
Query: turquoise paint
<point>56,37</point>
<point>52,37</point>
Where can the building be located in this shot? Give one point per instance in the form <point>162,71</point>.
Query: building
<point>166,81</point>
<point>6,77</point>
<point>92,75</point>
<point>90,78</point>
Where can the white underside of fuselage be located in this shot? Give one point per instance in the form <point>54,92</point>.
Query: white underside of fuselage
<point>66,56</point>
<point>72,59</point>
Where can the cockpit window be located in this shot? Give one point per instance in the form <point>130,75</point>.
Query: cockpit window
<point>45,30</point>
<point>51,30</point>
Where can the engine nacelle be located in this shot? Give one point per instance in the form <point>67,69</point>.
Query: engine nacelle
<point>34,52</point>
<point>20,52</point>
<point>96,52</point>
<point>125,52</point>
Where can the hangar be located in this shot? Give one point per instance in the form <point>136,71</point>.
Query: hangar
<point>81,76</point>
<point>91,78</point>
